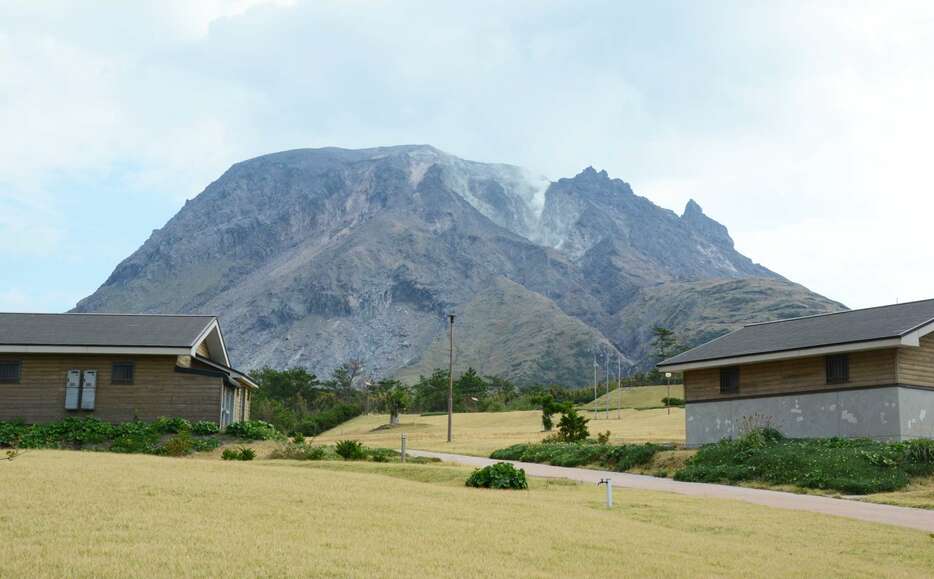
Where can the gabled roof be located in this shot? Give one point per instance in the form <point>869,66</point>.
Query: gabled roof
<point>122,330</point>
<point>878,327</point>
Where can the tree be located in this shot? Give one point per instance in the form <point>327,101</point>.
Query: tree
<point>550,407</point>
<point>664,343</point>
<point>572,427</point>
<point>393,397</point>
<point>502,389</point>
<point>431,393</point>
<point>469,388</point>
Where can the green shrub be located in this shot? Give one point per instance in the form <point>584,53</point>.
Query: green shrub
<point>501,475</point>
<point>241,453</point>
<point>11,433</point>
<point>855,466</point>
<point>253,430</point>
<point>603,437</point>
<point>350,450</point>
<point>619,458</point>
<point>381,454</point>
<point>179,445</point>
<point>204,444</point>
<point>298,438</point>
<point>666,401</point>
<point>205,427</point>
<point>135,437</point>
<point>166,425</point>
<point>296,451</point>
<point>572,427</point>
<point>624,457</point>
<point>316,423</point>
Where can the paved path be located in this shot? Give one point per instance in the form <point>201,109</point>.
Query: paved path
<point>901,516</point>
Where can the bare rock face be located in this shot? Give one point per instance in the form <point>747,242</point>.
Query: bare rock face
<point>315,256</point>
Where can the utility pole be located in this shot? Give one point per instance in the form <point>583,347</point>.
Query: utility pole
<point>606,373</point>
<point>451,380</point>
<point>595,413</point>
<point>619,386</point>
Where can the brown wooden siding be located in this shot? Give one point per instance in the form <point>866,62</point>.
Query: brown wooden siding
<point>157,390</point>
<point>869,368</point>
<point>916,365</point>
<point>203,350</point>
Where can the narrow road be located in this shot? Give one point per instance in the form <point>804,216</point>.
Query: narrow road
<point>900,516</point>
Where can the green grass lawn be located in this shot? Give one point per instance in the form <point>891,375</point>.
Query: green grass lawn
<point>635,397</point>
<point>89,514</point>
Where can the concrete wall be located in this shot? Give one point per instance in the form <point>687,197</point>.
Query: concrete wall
<point>888,413</point>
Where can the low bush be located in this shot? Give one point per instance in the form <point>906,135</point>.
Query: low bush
<point>241,453</point>
<point>666,401</point>
<point>128,437</point>
<point>501,475</point>
<point>298,451</point>
<point>350,449</point>
<point>166,425</point>
<point>179,445</point>
<point>206,444</point>
<point>253,430</point>
<point>614,457</point>
<point>205,428</point>
<point>855,466</point>
<point>381,454</point>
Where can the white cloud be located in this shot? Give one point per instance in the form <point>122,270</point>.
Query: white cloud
<point>805,128</point>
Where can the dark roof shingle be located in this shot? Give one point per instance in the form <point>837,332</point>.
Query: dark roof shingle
<point>101,330</point>
<point>813,331</point>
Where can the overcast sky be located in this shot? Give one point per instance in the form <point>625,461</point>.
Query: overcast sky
<point>805,127</point>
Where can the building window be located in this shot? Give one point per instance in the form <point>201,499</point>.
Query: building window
<point>10,372</point>
<point>122,373</point>
<point>838,369</point>
<point>729,380</point>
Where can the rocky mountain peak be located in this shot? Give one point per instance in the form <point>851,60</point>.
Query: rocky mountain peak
<point>312,257</point>
<point>708,228</point>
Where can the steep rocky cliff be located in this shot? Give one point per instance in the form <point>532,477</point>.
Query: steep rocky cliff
<point>314,256</point>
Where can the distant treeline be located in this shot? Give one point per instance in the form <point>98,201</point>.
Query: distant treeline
<point>297,401</point>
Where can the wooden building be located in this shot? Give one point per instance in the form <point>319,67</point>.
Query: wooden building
<point>118,367</point>
<point>860,373</point>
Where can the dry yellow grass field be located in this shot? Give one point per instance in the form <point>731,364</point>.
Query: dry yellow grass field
<point>82,514</point>
<point>481,433</point>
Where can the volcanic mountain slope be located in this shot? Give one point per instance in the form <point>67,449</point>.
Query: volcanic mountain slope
<point>315,256</point>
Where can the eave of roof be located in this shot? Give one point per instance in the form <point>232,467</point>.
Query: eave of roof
<point>902,337</point>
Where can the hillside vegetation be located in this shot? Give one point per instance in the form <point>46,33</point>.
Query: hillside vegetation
<point>81,514</point>
<point>509,331</point>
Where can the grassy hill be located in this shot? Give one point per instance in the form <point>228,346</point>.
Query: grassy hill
<point>84,514</point>
<point>509,331</point>
<point>482,433</point>
<point>635,397</point>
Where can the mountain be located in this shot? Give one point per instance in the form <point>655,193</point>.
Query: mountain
<point>315,256</point>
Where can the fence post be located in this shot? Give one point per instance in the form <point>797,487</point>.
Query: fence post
<point>405,438</point>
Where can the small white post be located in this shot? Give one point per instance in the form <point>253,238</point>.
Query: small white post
<point>405,439</point>
<point>609,491</point>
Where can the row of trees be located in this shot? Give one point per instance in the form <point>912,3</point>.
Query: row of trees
<point>296,400</point>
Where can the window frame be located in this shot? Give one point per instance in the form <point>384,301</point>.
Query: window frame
<point>830,379</point>
<point>726,372</point>
<point>132,380</point>
<point>19,372</point>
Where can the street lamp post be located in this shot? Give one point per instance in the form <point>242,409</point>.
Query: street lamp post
<point>668,399</point>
